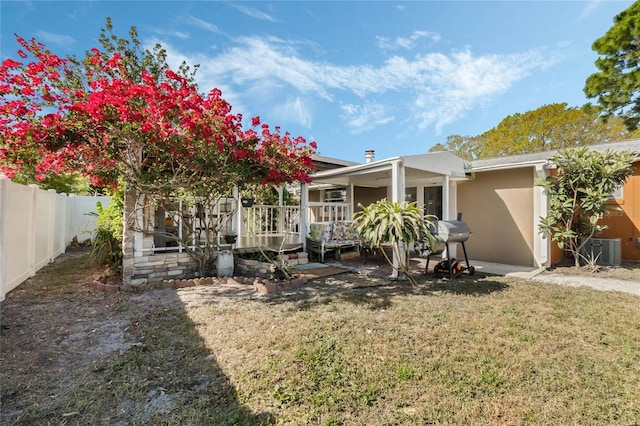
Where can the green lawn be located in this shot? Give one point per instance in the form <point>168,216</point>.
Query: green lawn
<point>487,350</point>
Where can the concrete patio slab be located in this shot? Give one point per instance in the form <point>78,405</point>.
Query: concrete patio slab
<point>517,271</point>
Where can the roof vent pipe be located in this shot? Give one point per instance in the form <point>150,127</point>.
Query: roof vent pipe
<point>369,156</point>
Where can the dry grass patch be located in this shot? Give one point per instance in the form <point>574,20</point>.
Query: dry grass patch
<point>626,271</point>
<point>477,350</point>
<point>443,354</point>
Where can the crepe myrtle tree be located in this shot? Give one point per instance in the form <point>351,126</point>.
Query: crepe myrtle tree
<point>578,194</point>
<point>399,224</point>
<point>155,134</point>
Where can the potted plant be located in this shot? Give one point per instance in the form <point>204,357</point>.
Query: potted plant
<point>247,201</point>
<point>231,236</point>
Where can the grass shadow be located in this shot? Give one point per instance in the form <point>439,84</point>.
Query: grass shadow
<point>379,292</point>
<point>479,284</point>
<point>99,358</point>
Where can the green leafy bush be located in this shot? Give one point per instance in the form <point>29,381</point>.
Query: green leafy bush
<point>107,243</point>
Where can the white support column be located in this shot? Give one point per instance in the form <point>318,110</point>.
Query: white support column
<point>397,195</point>
<point>452,210</point>
<point>237,220</point>
<point>352,200</point>
<point>282,229</point>
<point>304,214</point>
<point>446,206</point>
<point>420,196</point>
<point>280,190</point>
<point>453,198</point>
<point>397,181</point>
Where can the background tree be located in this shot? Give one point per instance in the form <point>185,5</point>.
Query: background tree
<point>467,147</point>
<point>168,143</point>
<point>549,127</point>
<point>578,193</point>
<point>617,84</point>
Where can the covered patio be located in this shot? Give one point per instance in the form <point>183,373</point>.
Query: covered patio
<point>403,178</point>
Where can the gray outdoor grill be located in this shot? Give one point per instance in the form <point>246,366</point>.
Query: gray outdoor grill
<point>445,232</point>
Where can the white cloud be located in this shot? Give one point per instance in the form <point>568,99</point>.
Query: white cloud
<point>254,13</point>
<point>365,117</point>
<point>296,109</point>
<point>57,39</point>
<point>406,43</point>
<point>589,8</point>
<point>265,61</point>
<point>178,34</point>
<point>437,88</point>
<point>202,24</point>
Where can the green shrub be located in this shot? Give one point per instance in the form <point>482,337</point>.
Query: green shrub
<point>107,242</point>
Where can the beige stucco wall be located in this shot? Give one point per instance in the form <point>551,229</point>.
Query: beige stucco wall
<point>498,207</point>
<point>365,196</point>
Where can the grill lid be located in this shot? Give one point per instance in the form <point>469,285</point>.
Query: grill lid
<point>451,231</point>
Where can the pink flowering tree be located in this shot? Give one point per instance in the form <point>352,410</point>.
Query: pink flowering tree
<point>148,129</point>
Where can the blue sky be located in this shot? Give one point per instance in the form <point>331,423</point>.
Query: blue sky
<point>396,77</point>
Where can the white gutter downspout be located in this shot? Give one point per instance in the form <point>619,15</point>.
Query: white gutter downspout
<point>541,244</point>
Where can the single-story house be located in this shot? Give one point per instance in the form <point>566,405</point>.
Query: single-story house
<point>498,200</point>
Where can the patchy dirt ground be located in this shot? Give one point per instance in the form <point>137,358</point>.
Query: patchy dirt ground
<point>629,271</point>
<point>624,278</point>
<point>57,338</point>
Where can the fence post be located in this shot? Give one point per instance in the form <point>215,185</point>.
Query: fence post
<point>51,218</point>
<point>62,220</point>
<point>69,222</point>
<point>4,191</point>
<point>32,231</point>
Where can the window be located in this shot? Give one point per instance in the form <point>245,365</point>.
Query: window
<point>617,194</point>
<point>433,201</point>
<point>411,195</point>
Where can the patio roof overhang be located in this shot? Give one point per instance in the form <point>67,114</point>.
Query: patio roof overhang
<point>418,169</point>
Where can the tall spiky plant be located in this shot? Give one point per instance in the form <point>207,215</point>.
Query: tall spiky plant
<point>399,224</point>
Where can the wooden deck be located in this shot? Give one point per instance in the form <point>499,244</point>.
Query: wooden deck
<point>250,244</point>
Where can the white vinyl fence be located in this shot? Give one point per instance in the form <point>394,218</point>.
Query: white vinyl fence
<point>36,226</point>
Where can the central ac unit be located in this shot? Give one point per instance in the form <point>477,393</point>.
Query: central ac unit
<point>606,250</point>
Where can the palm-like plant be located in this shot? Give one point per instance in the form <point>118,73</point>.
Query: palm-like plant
<point>400,224</point>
